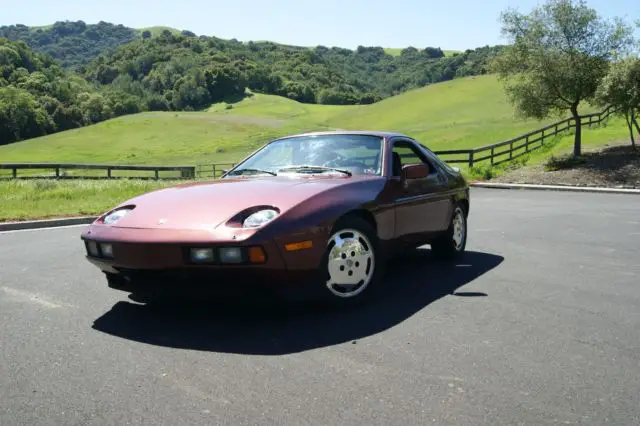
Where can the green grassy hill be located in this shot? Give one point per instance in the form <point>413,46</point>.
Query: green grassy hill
<point>458,114</point>
<point>112,70</point>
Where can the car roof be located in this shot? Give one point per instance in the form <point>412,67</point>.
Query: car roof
<point>350,132</point>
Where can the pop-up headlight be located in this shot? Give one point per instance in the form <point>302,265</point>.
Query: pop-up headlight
<point>259,218</point>
<point>116,215</point>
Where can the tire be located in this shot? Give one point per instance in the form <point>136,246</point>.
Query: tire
<point>352,265</point>
<point>453,242</point>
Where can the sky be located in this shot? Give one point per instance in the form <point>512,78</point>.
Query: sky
<point>448,24</point>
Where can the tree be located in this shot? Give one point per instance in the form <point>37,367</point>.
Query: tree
<point>95,107</point>
<point>21,116</point>
<point>434,52</point>
<point>559,54</point>
<point>620,89</point>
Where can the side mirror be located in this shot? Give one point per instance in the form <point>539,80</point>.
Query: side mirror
<point>415,171</point>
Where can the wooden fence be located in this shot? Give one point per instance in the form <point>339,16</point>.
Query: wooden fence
<point>213,170</point>
<point>511,149</point>
<point>59,170</point>
<point>495,153</point>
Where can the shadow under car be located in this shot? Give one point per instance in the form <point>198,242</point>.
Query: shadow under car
<point>279,327</point>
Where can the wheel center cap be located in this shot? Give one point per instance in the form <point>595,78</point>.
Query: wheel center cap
<point>349,263</point>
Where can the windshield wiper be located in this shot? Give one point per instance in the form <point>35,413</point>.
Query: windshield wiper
<point>257,171</point>
<point>322,168</point>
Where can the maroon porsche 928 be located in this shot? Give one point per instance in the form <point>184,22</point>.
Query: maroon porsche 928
<point>321,211</point>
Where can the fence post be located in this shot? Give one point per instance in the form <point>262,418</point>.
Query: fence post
<point>57,172</point>
<point>492,154</point>
<point>15,172</point>
<point>109,172</point>
<point>470,159</point>
<point>526,144</point>
<point>511,150</point>
<point>214,171</point>
<point>157,174</point>
<point>542,138</point>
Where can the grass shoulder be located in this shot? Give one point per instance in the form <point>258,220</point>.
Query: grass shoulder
<point>50,198</point>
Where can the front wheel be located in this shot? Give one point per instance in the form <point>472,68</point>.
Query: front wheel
<point>453,241</point>
<point>351,266</point>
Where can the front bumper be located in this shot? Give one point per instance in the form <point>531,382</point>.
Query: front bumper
<point>163,256</point>
<point>238,282</point>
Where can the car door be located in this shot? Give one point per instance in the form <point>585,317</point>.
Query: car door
<point>422,206</point>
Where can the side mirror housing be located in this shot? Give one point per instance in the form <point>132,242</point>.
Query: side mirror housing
<point>414,171</point>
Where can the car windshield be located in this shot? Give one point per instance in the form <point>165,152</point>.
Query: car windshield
<point>333,153</point>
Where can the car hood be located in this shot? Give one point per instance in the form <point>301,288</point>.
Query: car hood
<point>206,205</point>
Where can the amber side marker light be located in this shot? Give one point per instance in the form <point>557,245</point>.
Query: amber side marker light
<point>257,255</point>
<point>299,246</point>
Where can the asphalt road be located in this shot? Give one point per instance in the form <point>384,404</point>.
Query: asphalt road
<point>539,324</point>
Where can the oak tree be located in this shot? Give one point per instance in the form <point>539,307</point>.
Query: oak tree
<point>620,89</point>
<point>558,55</point>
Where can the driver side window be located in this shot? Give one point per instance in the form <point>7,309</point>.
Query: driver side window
<point>403,154</point>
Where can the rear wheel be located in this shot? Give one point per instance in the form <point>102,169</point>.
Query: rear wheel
<point>351,266</point>
<point>453,241</point>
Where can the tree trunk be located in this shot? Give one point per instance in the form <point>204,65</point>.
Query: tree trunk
<point>629,119</point>
<point>577,143</point>
<point>635,122</point>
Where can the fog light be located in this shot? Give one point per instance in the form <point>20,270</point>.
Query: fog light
<point>92,248</point>
<point>257,255</point>
<point>202,255</point>
<point>107,250</point>
<point>231,255</point>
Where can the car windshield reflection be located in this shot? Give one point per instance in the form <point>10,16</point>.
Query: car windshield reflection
<point>349,154</point>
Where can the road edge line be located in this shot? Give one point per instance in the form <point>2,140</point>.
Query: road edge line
<point>594,189</point>
<point>46,223</point>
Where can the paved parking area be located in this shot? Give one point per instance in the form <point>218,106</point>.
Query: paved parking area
<point>540,323</point>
